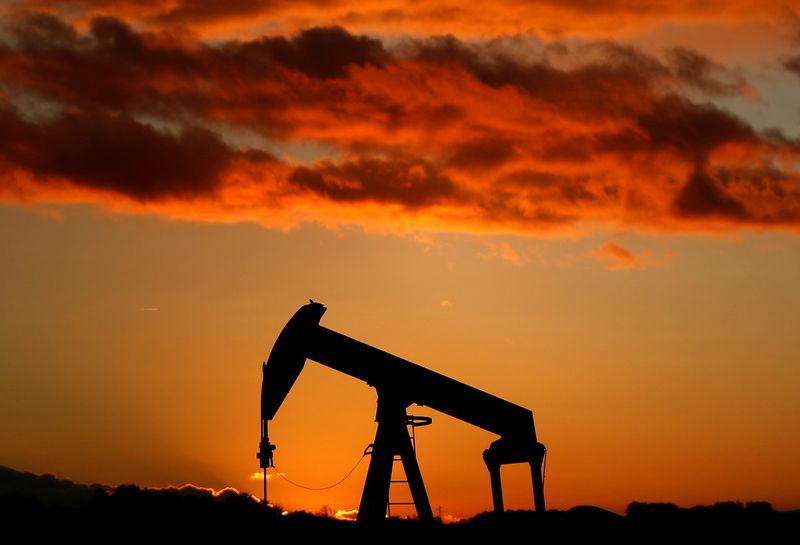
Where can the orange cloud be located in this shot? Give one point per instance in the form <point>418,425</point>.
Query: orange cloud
<point>616,257</point>
<point>346,514</point>
<point>504,251</point>
<point>195,490</point>
<point>544,17</point>
<point>504,135</point>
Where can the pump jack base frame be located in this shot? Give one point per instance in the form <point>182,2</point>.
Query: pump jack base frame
<point>392,440</point>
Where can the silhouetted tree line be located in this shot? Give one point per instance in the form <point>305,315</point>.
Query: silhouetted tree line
<point>42,507</point>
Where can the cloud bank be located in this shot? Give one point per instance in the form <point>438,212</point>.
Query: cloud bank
<point>439,133</point>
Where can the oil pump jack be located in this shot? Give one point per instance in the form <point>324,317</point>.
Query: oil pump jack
<point>399,383</point>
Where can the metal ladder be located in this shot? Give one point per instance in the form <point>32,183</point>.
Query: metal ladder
<point>413,422</point>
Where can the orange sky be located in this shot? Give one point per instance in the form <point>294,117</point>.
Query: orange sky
<point>588,208</point>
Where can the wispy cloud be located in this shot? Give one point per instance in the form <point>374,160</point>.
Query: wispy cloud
<point>504,251</point>
<point>49,212</point>
<point>615,257</point>
<point>346,514</point>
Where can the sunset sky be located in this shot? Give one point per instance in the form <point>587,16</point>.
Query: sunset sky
<point>590,209</point>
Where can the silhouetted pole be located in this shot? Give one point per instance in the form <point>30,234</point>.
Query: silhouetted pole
<point>375,496</point>
<point>497,487</point>
<point>538,484</point>
<point>264,455</point>
<point>414,477</point>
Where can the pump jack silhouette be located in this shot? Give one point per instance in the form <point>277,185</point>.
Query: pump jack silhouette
<point>399,384</point>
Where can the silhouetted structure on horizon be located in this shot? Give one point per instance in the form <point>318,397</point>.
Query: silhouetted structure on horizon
<point>399,384</point>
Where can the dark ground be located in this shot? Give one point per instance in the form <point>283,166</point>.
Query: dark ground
<point>43,507</point>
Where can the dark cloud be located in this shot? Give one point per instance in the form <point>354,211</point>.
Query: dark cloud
<point>323,52</point>
<point>698,71</point>
<point>111,66</point>
<point>403,181</point>
<point>702,196</point>
<point>114,66</point>
<point>43,31</point>
<point>508,133</point>
<point>691,129</point>
<point>613,71</point>
<point>549,187</point>
<point>792,64</point>
<point>494,68</point>
<point>114,152</point>
<point>482,153</point>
